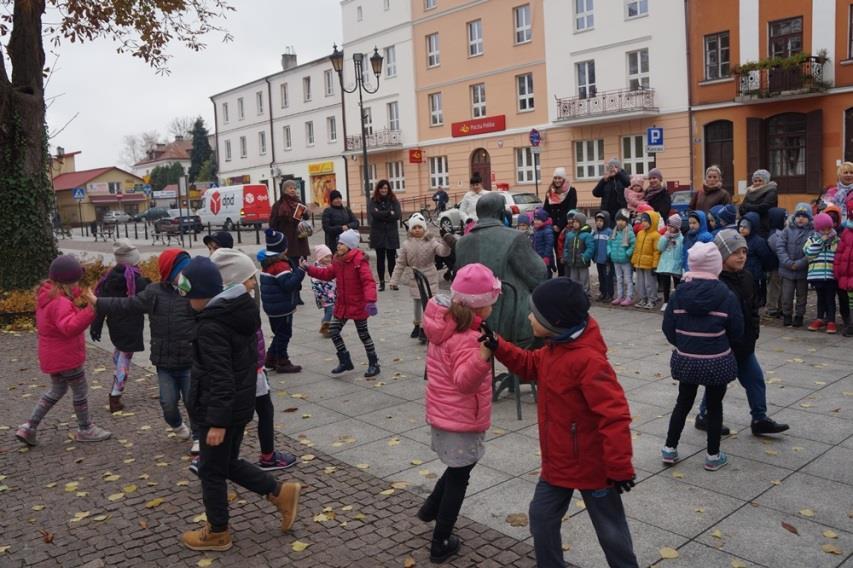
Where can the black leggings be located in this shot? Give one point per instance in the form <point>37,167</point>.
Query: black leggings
<point>266,416</point>
<point>664,284</point>
<point>844,305</point>
<point>446,498</point>
<point>381,255</point>
<point>714,418</point>
<point>360,327</point>
<point>826,291</point>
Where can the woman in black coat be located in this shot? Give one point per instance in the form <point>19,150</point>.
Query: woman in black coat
<point>559,200</point>
<point>383,210</point>
<point>611,189</point>
<point>657,195</point>
<point>337,219</point>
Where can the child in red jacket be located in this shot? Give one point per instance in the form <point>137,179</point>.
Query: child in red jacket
<point>584,423</point>
<point>843,266</point>
<point>62,349</point>
<point>356,299</point>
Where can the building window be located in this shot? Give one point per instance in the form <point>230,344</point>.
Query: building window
<point>288,141</point>
<point>523,25</point>
<point>584,16</point>
<point>395,176</point>
<point>436,117</point>
<point>393,116</point>
<point>371,175</point>
<point>259,102</point>
<point>309,133</point>
<point>638,69</point>
<point>241,111</point>
<point>390,61</point>
<point>433,56</point>
<point>438,173</point>
<point>786,37</point>
<point>368,120</point>
<point>243,151</point>
<point>285,99</point>
<point>306,89</point>
<point>589,159</point>
<point>227,150</point>
<point>332,129</point>
<point>359,14</point>
<point>262,143</point>
<point>717,56</point>
<point>329,82</point>
<point>524,165</point>
<point>524,84</point>
<point>635,159</point>
<point>636,8</point>
<point>586,79</point>
<point>786,145</point>
<point>225,116</point>
<point>478,100</point>
<point>475,38</point>
<point>386,5</point>
<point>430,4</point>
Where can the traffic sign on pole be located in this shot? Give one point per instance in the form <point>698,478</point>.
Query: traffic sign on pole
<point>535,137</point>
<point>78,193</point>
<point>654,140</point>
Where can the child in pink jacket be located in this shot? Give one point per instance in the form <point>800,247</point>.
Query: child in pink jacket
<point>458,395</point>
<point>62,349</point>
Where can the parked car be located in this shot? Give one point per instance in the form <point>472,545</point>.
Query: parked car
<point>112,217</point>
<point>681,204</point>
<point>179,224</point>
<point>152,214</point>
<point>450,220</point>
<point>518,202</point>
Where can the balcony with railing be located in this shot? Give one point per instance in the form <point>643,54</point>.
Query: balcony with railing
<point>379,139</point>
<point>607,105</point>
<point>796,75</point>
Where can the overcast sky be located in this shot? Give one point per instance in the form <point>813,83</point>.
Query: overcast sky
<point>118,94</point>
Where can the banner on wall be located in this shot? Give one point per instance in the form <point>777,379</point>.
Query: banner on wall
<point>321,187</point>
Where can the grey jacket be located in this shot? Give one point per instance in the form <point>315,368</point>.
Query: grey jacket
<point>793,263</point>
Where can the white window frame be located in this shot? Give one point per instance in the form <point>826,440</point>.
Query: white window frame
<point>288,138</point>
<point>368,119</point>
<point>225,115</point>
<point>433,50</point>
<point>475,38</point>
<point>387,5</point>
<point>359,14</point>
<point>586,88</point>
<point>259,102</point>
<point>227,150</point>
<point>641,7</point>
<point>329,82</point>
<point>309,133</point>
<point>390,61</point>
<point>439,175</point>
<point>393,111</point>
<point>522,20</point>
<point>285,95</point>
<point>332,129</point>
<point>584,19</point>
<point>306,89</point>
<point>478,100</point>
<point>630,159</point>
<point>241,109</point>
<point>436,115</point>
<point>396,175</point>
<point>244,151</point>
<point>589,159</point>
<point>718,52</point>
<point>524,92</point>
<point>371,175</point>
<point>262,143</point>
<point>525,161</point>
<point>640,79</point>
<point>430,4</point>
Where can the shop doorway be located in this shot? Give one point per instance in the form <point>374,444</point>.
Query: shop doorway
<point>481,163</point>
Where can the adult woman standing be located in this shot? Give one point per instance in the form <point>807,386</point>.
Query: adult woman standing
<point>337,219</point>
<point>384,212</point>
<point>657,195</point>
<point>611,188</point>
<point>712,192</point>
<point>760,198</point>
<point>559,200</point>
<point>285,217</point>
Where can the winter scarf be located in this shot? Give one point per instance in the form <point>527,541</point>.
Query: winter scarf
<point>555,196</point>
<point>130,274</point>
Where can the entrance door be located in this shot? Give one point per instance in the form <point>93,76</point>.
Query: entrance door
<point>848,135</point>
<point>481,163</point>
<point>719,149</point>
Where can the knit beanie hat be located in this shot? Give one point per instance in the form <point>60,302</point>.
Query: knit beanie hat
<point>560,305</point>
<point>523,219</point>
<point>416,220</point>
<point>822,222</point>
<point>321,251</point>
<point>674,221</point>
<point>170,263</point>
<point>541,215</point>
<point>728,241</point>
<point>475,286</point>
<point>234,266</point>
<point>803,209</point>
<point>276,242</point>
<point>350,238</point>
<point>126,253</point>
<point>335,194</point>
<point>571,215</point>
<point>763,174</point>
<point>223,239</point>
<point>728,214</point>
<point>655,173</point>
<point>200,280</point>
<point>623,214</point>
<point>559,172</point>
<point>646,218</point>
<point>706,258</point>
<point>638,179</point>
<point>580,218</point>
<point>65,269</point>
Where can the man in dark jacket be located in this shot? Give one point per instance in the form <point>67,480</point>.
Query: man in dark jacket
<point>337,219</point>
<point>222,401</point>
<point>611,188</point>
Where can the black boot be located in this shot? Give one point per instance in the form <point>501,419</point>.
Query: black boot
<point>344,363</point>
<point>429,510</point>
<point>415,331</point>
<point>767,426</point>
<point>848,331</point>
<point>787,321</point>
<point>422,336</point>
<point>798,321</point>
<point>439,551</point>
<point>702,424</point>
<point>381,285</point>
<point>372,365</point>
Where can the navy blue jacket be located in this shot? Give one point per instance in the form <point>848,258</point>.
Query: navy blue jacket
<point>543,240</point>
<point>691,238</point>
<point>703,318</point>
<point>760,258</point>
<point>279,288</point>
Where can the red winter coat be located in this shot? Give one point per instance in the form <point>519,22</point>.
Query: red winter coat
<point>60,324</point>
<point>354,282</point>
<point>843,264</point>
<point>584,419</point>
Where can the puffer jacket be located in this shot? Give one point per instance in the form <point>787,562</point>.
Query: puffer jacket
<point>760,200</point>
<point>225,361</point>
<point>843,265</point>
<point>760,259</point>
<point>743,287</point>
<point>611,191</point>
<point>459,386</point>
<point>584,419</point>
<point>280,284</point>
<point>692,237</point>
<point>419,254</point>
<point>334,219</point>
<point>468,205</point>
<point>60,325</point>
<point>793,263</point>
<point>821,256</point>
<point>777,217</point>
<point>355,286</point>
<point>646,254</point>
<point>577,245</point>
<point>670,247</point>
<point>621,245</point>
<point>601,239</point>
<point>125,330</point>
<point>543,241</point>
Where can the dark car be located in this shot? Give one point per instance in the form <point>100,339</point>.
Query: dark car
<point>681,204</point>
<point>152,214</point>
<point>179,224</point>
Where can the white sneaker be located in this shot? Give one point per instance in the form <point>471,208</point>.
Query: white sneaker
<point>182,432</point>
<point>663,307</point>
<point>92,434</point>
<point>196,448</point>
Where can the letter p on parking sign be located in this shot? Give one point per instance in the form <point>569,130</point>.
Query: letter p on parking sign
<point>654,140</point>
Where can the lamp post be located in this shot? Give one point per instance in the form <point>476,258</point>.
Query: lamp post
<point>337,60</point>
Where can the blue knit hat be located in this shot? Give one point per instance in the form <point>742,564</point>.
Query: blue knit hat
<point>728,215</point>
<point>541,215</point>
<point>523,219</point>
<point>200,280</point>
<point>276,242</point>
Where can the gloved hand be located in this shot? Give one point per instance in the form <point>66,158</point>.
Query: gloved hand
<point>95,334</point>
<point>622,486</point>
<point>489,339</point>
<point>372,310</point>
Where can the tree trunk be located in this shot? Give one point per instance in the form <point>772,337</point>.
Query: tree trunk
<point>27,244</point>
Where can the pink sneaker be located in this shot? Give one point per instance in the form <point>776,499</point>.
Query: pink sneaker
<point>626,302</point>
<point>616,301</point>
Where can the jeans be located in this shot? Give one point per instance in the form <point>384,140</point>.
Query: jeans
<point>548,508</point>
<point>751,377</point>
<point>327,313</point>
<point>605,279</point>
<point>383,254</point>
<point>218,465</point>
<point>713,398</point>
<point>647,285</point>
<point>174,385</point>
<point>789,288</point>
<point>774,293</point>
<point>624,280</point>
<point>826,290</point>
<point>282,328</point>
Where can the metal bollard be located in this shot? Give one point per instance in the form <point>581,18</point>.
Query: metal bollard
<point>208,229</point>
<point>239,235</point>
<point>145,228</point>
<point>126,234</point>
<point>257,234</point>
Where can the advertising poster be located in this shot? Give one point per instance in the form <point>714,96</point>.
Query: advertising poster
<point>321,187</point>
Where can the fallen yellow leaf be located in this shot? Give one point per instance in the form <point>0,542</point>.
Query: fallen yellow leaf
<point>807,513</point>
<point>517,520</point>
<point>677,475</point>
<point>830,534</point>
<point>308,457</point>
<point>668,553</point>
<point>416,462</point>
<point>112,477</point>
<point>394,442</point>
<point>387,492</point>
<point>400,485</point>
<point>408,562</point>
<point>299,546</point>
<point>130,488</point>
<point>202,518</point>
<point>4,549</point>
<point>154,503</point>
<point>321,518</point>
<point>71,486</point>
<point>346,508</point>
<point>717,533</point>
<point>100,518</point>
<point>116,496</point>
<point>362,465</point>
<point>204,562</point>
<point>182,483</point>
<point>830,549</point>
<point>737,563</point>
<point>567,547</point>
<point>79,516</point>
<point>580,504</point>
<point>38,507</point>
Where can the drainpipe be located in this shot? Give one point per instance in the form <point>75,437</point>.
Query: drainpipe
<point>689,86</point>
<point>216,137</point>
<point>272,139</point>
<point>344,122</point>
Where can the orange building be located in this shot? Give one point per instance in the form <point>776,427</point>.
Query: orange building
<point>771,85</point>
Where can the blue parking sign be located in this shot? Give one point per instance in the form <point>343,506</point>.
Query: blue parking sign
<point>654,140</point>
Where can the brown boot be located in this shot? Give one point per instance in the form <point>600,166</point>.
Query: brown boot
<point>115,403</point>
<point>270,362</point>
<point>203,539</point>
<point>285,366</point>
<point>287,502</point>
<point>324,329</point>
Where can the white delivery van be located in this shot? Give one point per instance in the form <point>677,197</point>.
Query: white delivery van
<point>228,206</point>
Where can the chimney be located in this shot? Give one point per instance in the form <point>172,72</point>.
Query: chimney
<point>60,151</point>
<point>179,137</point>
<point>288,58</point>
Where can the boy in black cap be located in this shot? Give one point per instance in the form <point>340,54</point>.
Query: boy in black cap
<point>222,401</point>
<point>584,422</point>
<point>218,240</point>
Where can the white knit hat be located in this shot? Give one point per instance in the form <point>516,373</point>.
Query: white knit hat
<point>350,238</point>
<point>234,266</point>
<point>321,251</point>
<point>126,252</point>
<point>416,220</point>
<point>559,172</point>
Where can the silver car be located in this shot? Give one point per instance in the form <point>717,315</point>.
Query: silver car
<point>116,217</point>
<point>518,202</point>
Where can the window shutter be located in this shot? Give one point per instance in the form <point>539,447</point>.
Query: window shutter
<point>756,146</point>
<point>814,153</point>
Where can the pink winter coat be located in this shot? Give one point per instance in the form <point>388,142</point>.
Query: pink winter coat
<point>459,388</point>
<point>60,324</point>
<point>843,264</point>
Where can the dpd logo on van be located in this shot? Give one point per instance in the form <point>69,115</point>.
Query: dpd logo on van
<point>249,198</point>
<point>215,203</point>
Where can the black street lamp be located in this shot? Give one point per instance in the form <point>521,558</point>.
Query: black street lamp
<point>337,60</point>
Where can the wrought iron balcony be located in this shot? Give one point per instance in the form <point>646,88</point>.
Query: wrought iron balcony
<point>606,103</point>
<point>788,77</point>
<point>379,139</point>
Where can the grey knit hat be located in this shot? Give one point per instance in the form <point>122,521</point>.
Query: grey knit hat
<point>350,238</point>
<point>126,252</point>
<point>234,266</point>
<point>763,174</point>
<point>729,241</point>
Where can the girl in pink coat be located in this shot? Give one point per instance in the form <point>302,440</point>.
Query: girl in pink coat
<point>458,395</point>
<point>62,349</point>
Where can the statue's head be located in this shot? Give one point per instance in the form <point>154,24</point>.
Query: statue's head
<point>491,206</point>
